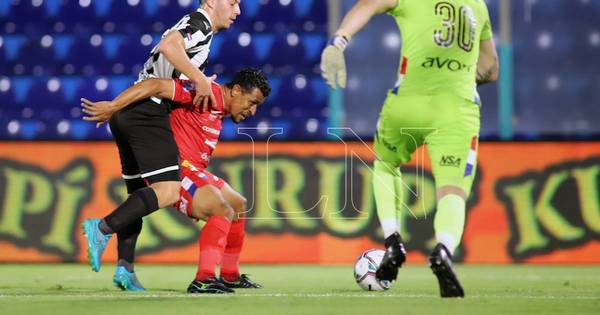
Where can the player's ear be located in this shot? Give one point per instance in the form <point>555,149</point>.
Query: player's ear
<point>236,90</point>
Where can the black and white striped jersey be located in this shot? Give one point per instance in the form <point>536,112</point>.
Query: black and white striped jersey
<point>196,29</point>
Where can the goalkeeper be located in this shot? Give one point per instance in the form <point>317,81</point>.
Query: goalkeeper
<point>447,49</point>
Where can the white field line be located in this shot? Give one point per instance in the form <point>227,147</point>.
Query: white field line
<point>129,296</point>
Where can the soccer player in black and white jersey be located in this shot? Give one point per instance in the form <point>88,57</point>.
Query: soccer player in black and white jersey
<point>148,153</point>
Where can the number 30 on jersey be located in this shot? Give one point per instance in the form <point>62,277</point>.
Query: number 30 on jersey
<point>463,33</point>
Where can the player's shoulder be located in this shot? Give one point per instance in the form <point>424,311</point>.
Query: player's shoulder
<point>215,86</point>
<point>199,20</point>
<point>478,4</point>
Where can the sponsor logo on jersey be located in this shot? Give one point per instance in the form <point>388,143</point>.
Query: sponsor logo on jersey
<point>203,156</point>
<point>450,64</point>
<point>212,144</point>
<point>450,160</point>
<point>213,131</point>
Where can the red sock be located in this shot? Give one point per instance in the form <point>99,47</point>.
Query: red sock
<point>212,241</point>
<point>230,267</point>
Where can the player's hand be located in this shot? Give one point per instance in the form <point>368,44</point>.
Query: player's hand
<point>97,111</point>
<point>204,96</point>
<point>333,66</point>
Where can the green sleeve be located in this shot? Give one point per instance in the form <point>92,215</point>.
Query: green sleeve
<point>486,33</point>
<point>397,10</point>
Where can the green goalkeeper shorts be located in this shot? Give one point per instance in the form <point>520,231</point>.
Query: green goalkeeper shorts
<point>448,125</point>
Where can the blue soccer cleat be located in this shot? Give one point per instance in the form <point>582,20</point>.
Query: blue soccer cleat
<point>127,281</point>
<point>96,242</point>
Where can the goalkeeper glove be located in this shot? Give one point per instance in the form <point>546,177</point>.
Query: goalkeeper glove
<point>333,64</point>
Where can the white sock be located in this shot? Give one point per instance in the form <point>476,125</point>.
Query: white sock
<point>448,240</point>
<point>389,226</point>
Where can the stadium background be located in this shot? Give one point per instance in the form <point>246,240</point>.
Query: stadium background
<point>537,197</point>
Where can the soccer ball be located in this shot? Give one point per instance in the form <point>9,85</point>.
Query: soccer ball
<point>364,271</point>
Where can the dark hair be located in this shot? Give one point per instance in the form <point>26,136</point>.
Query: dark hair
<point>249,79</point>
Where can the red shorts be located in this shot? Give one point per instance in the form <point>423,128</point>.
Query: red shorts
<point>193,178</point>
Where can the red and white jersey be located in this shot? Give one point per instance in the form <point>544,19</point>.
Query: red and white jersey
<point>196,132</point>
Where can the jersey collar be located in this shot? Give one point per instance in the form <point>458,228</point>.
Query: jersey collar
<point>207,17</point>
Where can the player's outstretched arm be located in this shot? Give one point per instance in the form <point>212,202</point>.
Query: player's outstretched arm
<point>101,111</point>
<point>333,64</point>
<point>361,13</point>
<point>487,64</point>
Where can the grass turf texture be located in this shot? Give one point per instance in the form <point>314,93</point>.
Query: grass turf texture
<point>299,289</point>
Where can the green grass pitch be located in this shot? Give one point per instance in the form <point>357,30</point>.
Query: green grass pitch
<point>301,289</point>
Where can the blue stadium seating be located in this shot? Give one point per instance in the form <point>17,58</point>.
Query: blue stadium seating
<point>55,51</point>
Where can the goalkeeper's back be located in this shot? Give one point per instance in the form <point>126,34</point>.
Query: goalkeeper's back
<point>440,45</point>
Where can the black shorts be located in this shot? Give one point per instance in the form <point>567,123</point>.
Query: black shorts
<point>145,140</point>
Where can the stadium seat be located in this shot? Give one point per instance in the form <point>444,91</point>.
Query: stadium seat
<point>95,89</point>
<point>235,51</point>
<point>95,49</point>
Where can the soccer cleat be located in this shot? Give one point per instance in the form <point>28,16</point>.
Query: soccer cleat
<point>96,242</point>
<point>395,256</point>
<point>243,282</point>
<point>440,262</point>
<point>127,281</point>
<point>209,286</point>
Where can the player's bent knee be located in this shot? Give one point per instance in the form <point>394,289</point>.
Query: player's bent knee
<point>240,205</point>
<point>220,208</point>
<point>450,190</point>
<point>199,214</point>
<point>224,210</point>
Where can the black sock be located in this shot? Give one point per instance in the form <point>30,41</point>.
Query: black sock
<point>126,244</point>
<point>104,228</point>
<point>134,184</point>
<point>140,203</point>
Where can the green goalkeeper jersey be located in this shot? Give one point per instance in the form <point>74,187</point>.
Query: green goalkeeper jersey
<point>440,45</point>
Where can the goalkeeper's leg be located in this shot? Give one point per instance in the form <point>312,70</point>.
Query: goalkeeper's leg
<point>449,224</point>
<point>387,183</point>
<point>457,136</point>
<point>393,146</point>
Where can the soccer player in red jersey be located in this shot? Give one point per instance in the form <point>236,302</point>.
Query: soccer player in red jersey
<point>203,196</point>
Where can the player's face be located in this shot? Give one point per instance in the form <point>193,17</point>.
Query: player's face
<point>244,105</point>
<point>226,12</point>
